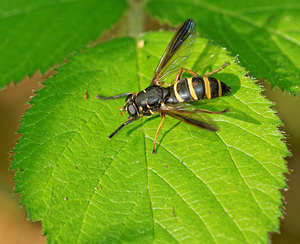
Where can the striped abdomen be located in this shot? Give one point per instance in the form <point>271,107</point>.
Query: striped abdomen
<point>196,88</point>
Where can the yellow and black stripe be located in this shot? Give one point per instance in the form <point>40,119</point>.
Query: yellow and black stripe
<point>175,89</point>
<point>196,88</point>
<point>207,87</point>
<point>191,88</point>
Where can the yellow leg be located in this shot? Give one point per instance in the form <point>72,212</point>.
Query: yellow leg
<point>187,70</point>
<point>158,130</point>
<point>216,70</point>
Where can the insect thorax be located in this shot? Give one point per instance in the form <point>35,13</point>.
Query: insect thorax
<point>150,99</point>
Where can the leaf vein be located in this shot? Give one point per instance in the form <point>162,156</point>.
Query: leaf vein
<point>246,184</point>
<point>186,202</point>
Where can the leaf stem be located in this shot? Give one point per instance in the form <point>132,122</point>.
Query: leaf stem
<point>136,17</point>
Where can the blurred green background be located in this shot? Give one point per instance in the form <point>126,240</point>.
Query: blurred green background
<point>14,228</point>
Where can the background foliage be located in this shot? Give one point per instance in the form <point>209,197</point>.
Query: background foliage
<point>265,34</point>
<point>36,34</point>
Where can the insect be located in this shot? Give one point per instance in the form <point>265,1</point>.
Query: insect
<point>172,100</point>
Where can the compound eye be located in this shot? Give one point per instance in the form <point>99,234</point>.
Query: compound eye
<point>131,110</point>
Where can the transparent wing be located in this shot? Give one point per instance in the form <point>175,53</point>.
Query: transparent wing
<point>190,115</point>
<point>178,50</point>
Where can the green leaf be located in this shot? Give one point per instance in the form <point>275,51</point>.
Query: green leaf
<point>264,33</point>
<point>199,187</point>
<point>37,34</point>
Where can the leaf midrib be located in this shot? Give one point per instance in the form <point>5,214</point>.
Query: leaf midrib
<point>145,144</point>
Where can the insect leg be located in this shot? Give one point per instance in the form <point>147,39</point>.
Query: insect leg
<point>122,125</point>
<point>187,70</point>
<point>158,130</point>
<point>114,97</point>
<point>216,70</point>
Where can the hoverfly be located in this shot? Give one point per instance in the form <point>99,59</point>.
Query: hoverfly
<point>171,100</point>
